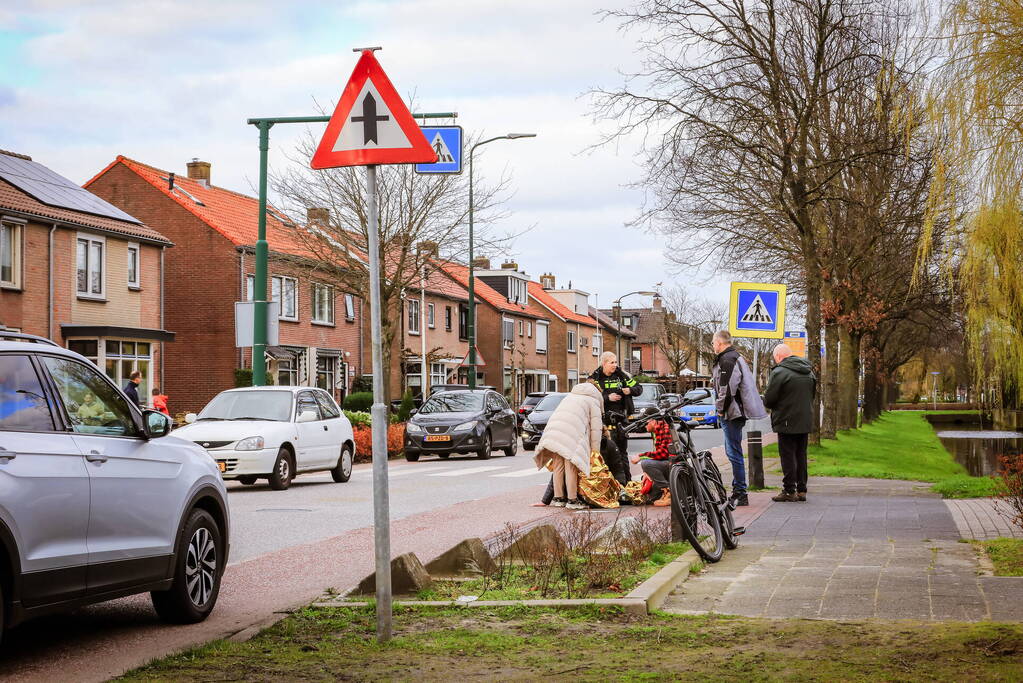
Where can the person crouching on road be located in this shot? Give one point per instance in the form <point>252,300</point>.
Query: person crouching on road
<point>656,463</point>
<point>572,433</point>
<point>789,395</point>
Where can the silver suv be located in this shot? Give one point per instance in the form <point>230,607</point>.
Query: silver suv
<point>96,500</point>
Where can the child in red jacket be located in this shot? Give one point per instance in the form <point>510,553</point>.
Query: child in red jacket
<point>160,402</point>
<point>656,463</point>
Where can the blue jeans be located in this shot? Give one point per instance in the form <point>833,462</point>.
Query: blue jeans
<point>733,449</point>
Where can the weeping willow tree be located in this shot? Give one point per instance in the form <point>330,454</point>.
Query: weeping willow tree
<point>978,103</point>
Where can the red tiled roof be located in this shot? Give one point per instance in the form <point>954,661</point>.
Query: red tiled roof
<point>559,309</point>
<point>440,284</point>
<point>460,273</point>
<point>14,199</point>
<point>231,214</point>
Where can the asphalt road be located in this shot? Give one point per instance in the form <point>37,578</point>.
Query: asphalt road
<point>288,547</point>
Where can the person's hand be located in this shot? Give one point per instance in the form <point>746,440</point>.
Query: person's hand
<point>627,391</point>
<point>634,459</point>
<point>614,397</point>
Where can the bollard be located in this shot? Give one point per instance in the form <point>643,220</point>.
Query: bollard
<point>755,448</point>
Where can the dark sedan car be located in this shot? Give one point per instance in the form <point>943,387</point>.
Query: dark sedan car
<point>529,403</point>
<point>461,422</point>
<point>533,425</point>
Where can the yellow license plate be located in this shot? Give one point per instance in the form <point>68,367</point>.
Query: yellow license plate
<point>222,466</point>
<point>438,437</point>
<point>699,418</point>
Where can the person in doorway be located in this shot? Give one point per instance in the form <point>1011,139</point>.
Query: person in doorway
<point>789,395</point>
<point>618,390</point>
<point>656,463</point>
<point>132,387</point>
<point>737,401</point>
<point>160,402</point>
<point>572,433</point>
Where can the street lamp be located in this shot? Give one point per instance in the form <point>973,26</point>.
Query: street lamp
<point>617,310</point>
<point>934,388</point>
<point>699,346</point>
<point>472,296</point>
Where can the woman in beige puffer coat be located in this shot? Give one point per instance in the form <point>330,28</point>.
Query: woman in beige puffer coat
<point>572,433</point>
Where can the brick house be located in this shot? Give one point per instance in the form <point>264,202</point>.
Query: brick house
<point>81,272</point>
<point>643,355</point>
<point>576,339</point>
<point>614,337</point>
<point>512,331</point>
<point>213,266</point>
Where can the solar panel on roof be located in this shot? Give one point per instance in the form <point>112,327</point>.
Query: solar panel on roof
<point>55,190</point>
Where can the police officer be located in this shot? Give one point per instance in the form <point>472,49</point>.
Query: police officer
<point>618,389</point>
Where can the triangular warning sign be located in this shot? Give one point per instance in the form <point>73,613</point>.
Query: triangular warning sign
<point>756,313</point>
<point>444,155</point>
<point>371,124</point>
<point>479,359</point>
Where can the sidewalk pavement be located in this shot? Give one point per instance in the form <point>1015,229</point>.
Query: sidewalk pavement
<point>858,548</point>
<point>979,519</point>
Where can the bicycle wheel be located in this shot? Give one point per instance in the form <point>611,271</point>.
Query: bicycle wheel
<point>697,516</point>
<point>713,476</point>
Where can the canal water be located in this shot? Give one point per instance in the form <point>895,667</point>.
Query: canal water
<point>976,447</point>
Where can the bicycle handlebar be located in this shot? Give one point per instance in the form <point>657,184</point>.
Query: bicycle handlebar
<point>659,415</point>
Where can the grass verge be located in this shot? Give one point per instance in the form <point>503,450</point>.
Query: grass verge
<point>1006,554</point>
<point>598,644</point>
<point>897,445</point>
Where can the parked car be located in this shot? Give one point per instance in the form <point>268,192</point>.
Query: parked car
<point>701,412</point>
<point>274,433</point>
<point>652,392</point>
<point>528,403</point>
<point>434,388</point>
<point>533,425</point>
<point>97,500</point>
<point>464,421</point>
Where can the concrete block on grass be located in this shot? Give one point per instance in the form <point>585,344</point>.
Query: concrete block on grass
<point>468,558</point>
<point>408,576</point>
<point>540,541</point>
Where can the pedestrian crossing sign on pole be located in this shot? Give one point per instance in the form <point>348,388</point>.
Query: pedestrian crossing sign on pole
<point>446,142</point>
<point>757,310</point>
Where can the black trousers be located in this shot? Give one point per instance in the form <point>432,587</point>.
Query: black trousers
<point>657,470</point>
<point>792,448</point>
<point>622,471</point>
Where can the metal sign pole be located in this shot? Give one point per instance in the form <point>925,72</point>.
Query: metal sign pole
<point>381,513</point>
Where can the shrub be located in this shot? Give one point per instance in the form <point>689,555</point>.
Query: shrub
<point>406,406</point>
<point>362,383</point>
<point>647,379</point>
<point>364,442</point>
<point>360,401</point>
<point>1009,499</point>
<point>358,418</point>
<point>243,377</point>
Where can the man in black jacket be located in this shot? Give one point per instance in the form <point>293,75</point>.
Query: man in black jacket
<point>618,389</point>
<point>789,395</point>
<point>131,388</point>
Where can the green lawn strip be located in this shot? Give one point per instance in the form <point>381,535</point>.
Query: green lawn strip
<point>1006,555</point>
<point>598,644</point>
<point>897,445</point>
<point>521,583</point>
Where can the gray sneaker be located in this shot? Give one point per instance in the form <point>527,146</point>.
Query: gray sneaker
<point>576,505</point>
<point>558,503</point>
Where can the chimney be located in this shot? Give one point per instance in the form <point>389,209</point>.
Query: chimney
<point>318,215</point>
<point>481,263</point>
<point>509,265</point>
<point>547,281</point>
<point>428,248</point>
<point>658,304</point>
<point>199,170</point>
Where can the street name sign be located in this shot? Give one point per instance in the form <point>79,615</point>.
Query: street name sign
<point>796,340</point>
<point>446,142</point>
<point>371,124</point>
<point>757,310</point>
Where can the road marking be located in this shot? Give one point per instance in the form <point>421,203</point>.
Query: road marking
<point>469,470</point>
<point>521,473</point>
<point>404,469</point>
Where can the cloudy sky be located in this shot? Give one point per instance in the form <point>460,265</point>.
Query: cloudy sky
<point>163,81</point>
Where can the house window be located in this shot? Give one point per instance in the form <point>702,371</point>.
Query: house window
<point>522,327</point>
<point>413,316</point>
<point>627,321</point>
<point>323,304</point>
<point>124,357</point>
<point>10,253</point>
<point>430,316</point>
<point>438,375</point>
<point>133,266</point>
<point>571,341</point>
<point>447,318</point>
<point>598,343</point>
<point>507,332</point>
<point>541,337</point>
<point>463,321</point>
<point>529,329</point>
<point>326,373</point>
<point>285,291</point>
<point>90,267</point>
<point>637,354</point>
<point>287,372</point>
<point>349,307</point>
<point>250,287</point>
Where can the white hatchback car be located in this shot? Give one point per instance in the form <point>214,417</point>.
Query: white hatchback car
<point>274,433</point>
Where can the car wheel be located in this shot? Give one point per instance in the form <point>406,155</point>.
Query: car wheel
<point>284,471</point>
<point>411,457</point>
<point>528,446</point>
<point>513,448</point>
<point>342,472</point>
<point>197,572</point>
<point>248,480</point>
<point>485,447</point>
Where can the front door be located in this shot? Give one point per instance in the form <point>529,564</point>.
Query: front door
<point>503,420</point>
<point>136,497</point>
<point>313,437</point>
<point>44,487</point>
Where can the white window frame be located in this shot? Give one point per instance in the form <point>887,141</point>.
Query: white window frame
<point>448,319</point>
<point>507,339</point>
<point>438,374</point>
<point>597,343</point>
<point>250,286</point>
<point>541,339</point>
<point>522,327</point>
<point>16,232</point>
<point>572,341</point>
<point>133,247</point>
<point>91,241</point>
<point>529,329</point>
<point>349,307</point>
<point>282,280</point>
<point>414,323</point>
<point>431,316</point>
<point>327,293</point>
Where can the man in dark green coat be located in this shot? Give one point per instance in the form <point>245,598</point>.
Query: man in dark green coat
<point>789,397</point>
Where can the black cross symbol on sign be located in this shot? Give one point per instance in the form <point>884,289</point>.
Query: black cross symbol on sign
<point>369,119</point>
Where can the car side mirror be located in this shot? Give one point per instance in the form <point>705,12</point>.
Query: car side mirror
<point>413,412</point>
<point>703,395</point>
<point>191,417</point>
<point>157,424</point>
<point>307,416</point>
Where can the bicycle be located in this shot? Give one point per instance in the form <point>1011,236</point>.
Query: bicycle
<point>698,498</point>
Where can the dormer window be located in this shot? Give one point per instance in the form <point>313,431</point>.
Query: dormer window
<point>517,291</point>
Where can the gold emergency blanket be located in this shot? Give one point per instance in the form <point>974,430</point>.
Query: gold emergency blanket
<point>634,490</point>
<point>600,488</point>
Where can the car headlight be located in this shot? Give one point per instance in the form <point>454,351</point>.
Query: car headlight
<point>413,428</point>
<point>528,426</point>
<point>466,426</point>
<point>252,443</point>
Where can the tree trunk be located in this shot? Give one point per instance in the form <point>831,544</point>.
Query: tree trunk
<point>813,336</point>
<point>871,390</point>
<point>829,383</point>
<point>848,378</point>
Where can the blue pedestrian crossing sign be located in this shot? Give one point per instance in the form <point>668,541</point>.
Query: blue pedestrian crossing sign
<point>446,141</point>
<point>757,310</point>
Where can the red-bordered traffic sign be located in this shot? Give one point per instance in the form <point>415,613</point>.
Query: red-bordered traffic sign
<point>371,124</point>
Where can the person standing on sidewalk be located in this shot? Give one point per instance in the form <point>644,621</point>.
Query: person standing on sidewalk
<point>789,395</point>
<point>737,401</point>
<point>572,433</point>
<point>618,389</point>
<point>132,388</point>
